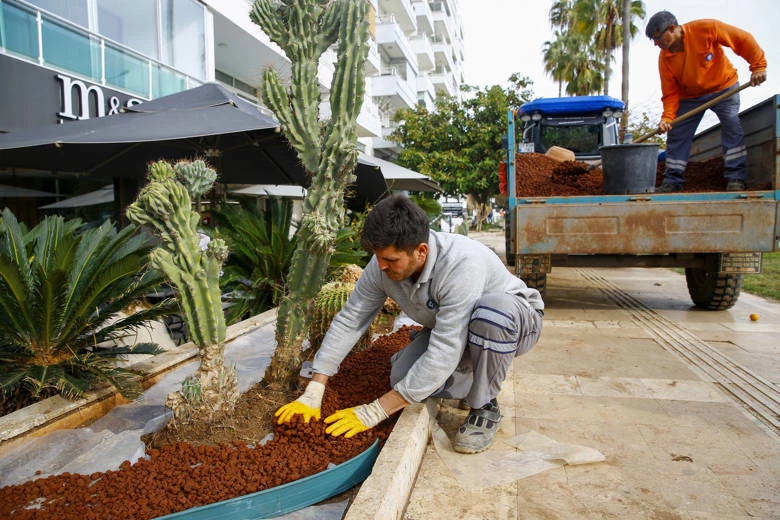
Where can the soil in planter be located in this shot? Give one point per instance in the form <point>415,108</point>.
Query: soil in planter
<point>185,475</point>
<point>540,176</point>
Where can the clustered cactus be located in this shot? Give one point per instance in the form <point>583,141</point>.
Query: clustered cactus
<point>327,304</point>
<point>305,29</point>
<point>165,206</point>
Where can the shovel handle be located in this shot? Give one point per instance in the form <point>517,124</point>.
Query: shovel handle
<point>697,110</point>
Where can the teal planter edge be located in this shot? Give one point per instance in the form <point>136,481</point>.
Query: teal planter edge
<point>288,497</point>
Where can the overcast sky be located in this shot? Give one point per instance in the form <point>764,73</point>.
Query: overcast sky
<point>507,36</point>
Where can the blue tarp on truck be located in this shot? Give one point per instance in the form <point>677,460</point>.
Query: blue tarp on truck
<point>575,105</point>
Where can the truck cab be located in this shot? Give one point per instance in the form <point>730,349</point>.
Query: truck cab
<point>581,124</point>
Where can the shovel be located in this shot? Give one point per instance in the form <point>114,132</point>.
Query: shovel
<point>687,115</point>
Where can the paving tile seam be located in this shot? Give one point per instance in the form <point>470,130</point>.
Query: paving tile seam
<point>647,386</point>
<point>754,394</point>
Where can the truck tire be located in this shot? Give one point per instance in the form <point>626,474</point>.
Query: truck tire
<point>536,281</point>
<point>711,290</point>
<point>510,255</point>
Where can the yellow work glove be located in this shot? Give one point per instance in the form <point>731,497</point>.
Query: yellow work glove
<point>352,421</point>
<point>308,404</point>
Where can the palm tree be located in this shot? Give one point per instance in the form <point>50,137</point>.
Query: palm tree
<point>560,14</point>
<point>61,293</point>
<point>601,21</point>
<point>584,73</point>
<point>556,56</point>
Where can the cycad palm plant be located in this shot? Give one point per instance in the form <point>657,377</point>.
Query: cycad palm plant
<point>61,293</point>
<point>261,250</point>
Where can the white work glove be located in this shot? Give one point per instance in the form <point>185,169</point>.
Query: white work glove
<point>308,404</point>
<point>351,421</point>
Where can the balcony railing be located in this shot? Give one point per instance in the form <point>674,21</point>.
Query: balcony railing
<point>50,41</point>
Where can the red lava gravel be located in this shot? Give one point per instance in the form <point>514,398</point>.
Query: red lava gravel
<point>540,176</point>
<point>183,476</point>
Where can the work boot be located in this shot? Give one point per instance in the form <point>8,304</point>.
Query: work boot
<point>735,186</point>
<point>477,432</point>
<point>668,187</point>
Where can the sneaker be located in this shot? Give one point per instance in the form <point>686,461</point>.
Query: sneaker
<point>668,187</point>
<point>477,433</point>
<point>735,186</point>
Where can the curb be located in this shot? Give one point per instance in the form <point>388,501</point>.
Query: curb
<point>385,493</point>
<point>58,413</point>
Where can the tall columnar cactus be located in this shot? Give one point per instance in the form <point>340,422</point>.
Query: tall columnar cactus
<point>165,206</point>
<point>305,29</point>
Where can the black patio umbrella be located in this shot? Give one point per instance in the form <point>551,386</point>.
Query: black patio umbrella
<point>243,144</point>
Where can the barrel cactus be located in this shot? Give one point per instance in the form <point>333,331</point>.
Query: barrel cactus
<point>327,304</point>
<point>304,30</point>
<point>165,206</point>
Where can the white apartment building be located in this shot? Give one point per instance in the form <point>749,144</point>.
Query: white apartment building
<point>143,49</point>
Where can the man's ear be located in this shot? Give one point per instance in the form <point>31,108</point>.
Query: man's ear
<point>421,251</point>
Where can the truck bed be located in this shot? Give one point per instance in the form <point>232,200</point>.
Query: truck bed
<point>658,224</point>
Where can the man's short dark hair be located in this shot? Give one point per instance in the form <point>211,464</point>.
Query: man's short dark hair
<point>395,221</point>
<point>659,22</point>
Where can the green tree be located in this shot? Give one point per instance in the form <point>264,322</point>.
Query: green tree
<point>304,30</point>
<point>458,144</point>
<point>586,34</point>
<point>62,294</point>
<point>555,54</point>
<point>601,21</point>
<point>644,125</point>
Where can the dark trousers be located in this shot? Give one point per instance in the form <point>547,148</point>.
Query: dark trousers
<point>501,328</point>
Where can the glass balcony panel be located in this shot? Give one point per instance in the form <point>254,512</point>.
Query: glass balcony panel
<point>127,71</point>
<point>18,31</point>
<point>166,81</point>
<point>69,50</point>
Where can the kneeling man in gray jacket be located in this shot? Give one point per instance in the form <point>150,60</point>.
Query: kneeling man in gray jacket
<point>477,317</point>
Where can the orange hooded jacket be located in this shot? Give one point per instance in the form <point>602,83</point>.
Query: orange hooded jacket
<point>702,67</point>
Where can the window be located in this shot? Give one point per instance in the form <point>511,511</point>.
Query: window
<point>72,10</point>
<point>130,23</point>
<point>578,138</point>
<point>184,37</point>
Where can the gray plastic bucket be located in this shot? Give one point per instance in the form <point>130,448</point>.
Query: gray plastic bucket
<point>629,168</point>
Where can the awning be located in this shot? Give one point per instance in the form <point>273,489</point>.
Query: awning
<point>104,195</point>
<point>14,192</point>
<point>400,178</point>
<point>272,190</point>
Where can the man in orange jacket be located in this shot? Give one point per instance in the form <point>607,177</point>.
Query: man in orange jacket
<point>694,69</point>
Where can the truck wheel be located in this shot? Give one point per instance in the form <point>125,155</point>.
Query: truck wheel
<point>711,290</point>
<point>536,281</point>
<point>510,256</point>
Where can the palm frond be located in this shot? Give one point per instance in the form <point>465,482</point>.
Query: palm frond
<point>15,312</point>
<point>12,243</point>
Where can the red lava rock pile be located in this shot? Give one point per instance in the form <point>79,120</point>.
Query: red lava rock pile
<point>183,476</point>
<point>540,176</point>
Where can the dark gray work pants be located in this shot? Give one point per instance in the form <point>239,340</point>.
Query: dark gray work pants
<point>502,327</point>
